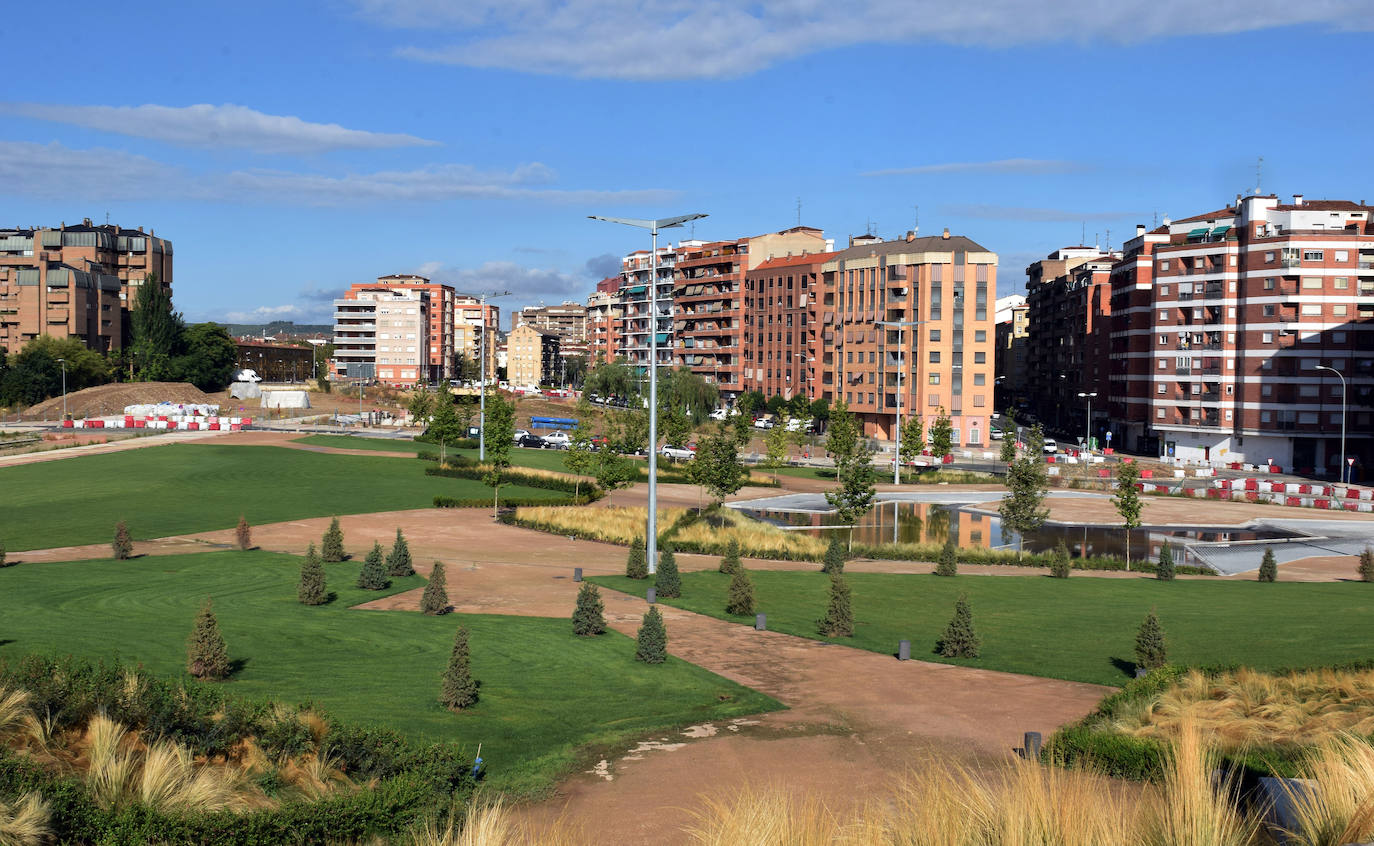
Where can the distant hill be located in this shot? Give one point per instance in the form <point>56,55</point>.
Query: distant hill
<point>284,327</point>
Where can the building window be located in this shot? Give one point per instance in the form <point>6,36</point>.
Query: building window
<point>1339,309</point>
<point>1161,388</point>
<point>1267,338</point>
<point>934,378</point>
<point>1164,265</point>
<point>1312,283</point>
<point>934,356</point>
<point>980,379</point>
<point>1163,363</point>
<point>1164,290</point>
<point>980,336</point>
<point>1269,284</point>
<point>1164,314</point>
<point>1311,309</point>
<point>1163,340</point>
<point>1159,412</point>
<point>1311,255</point>
<point>1269,310</point>
<point>1341,282</point>
<point>933,400</point>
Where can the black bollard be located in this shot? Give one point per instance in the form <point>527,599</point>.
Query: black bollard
<point>651,596</point>
<point>577,574</point>
<point>760,622</point>
<point>1031,749</point>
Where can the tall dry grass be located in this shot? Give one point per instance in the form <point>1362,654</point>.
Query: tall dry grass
<point>1340,809</point>
<point>756,538</point>
<point>614,524</point>
<point>1246,708</point>
<point>1192,806</point>
<point>493,824</point>
<point>24,822</point>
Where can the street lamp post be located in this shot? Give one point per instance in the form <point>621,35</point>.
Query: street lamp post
<point>1345,475</point>
<point>482,387</point>
<point>1088,441</point>
<point>899,325</point>
<point>651,542</point>
<point>63,363</point>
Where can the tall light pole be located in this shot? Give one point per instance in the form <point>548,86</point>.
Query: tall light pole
<point>1345,475</point>
<point>899,325</point>
<point>1088,441</point>
<point>482,389</point>
<point>63,362</point>
<point>653,226</point>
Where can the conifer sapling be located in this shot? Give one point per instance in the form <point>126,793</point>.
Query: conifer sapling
<point>1060,566</point>
<point>435,598</point>
<point>839,614</point>
<point>948,565</point>
<point>1164,570</point>
<point>332,547</point>
<point>3,562</point>
<point>311,589</point>
<point>651,644</point>
<point>123,544</point>
<point>730,563</point>
<point>373,574</point>
<point>207,656</point>
<point>243,536</point>
<point>459,689</point>
<point>589,616</point>
<point>834,556</point>
<point>398,560</point>
<point>740,599</point>
<point>1367,565</point>
<point>637,564</point>
<point>1150,649</point>
<point>667,582</point>
<point>1269,568</point>
<point>959,639</point>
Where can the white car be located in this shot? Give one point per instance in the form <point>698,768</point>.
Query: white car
<point>679,453</point>
<point>520,433</point>
<point>558,440</point>
<point>720,414</point>
<point>1050,446</point>
<point>797,424</point>
<point>764,422</point>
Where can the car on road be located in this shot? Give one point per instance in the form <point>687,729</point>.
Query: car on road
<point>557,440</point>
<point>798,424</point>
<point>678,453</point>
<point>1050,446</point>
<point>529,441</point>
<point>520,433</point>
<point>996,434</point>
<point>764,422</point>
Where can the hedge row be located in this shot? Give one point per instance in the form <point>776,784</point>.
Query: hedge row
<point>513,502</point>
<point>931,552</point>
<point>514,476</point>
<point>461,443</point>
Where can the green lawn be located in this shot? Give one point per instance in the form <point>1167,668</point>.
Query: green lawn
<point>545,692</point>
<point>1080,628</point>
<point>543,459</point>
<point>179,488</point>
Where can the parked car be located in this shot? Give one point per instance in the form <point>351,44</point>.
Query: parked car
<point>1050,446</point>
<point>996,434</point>
<point>598,442</point>
<point>764,422</point>
<point>557,440</point>
<point>530,441</point>
<point>678,453</point>
<point>798,424</point>
<point>720,414</point>
<point>520,433</point>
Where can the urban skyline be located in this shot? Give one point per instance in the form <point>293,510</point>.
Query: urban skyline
<point>476,165</point>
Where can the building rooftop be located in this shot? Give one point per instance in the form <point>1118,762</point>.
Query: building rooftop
<point>794,261</point>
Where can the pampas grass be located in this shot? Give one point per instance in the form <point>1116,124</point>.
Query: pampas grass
<point>24,822</point>
<point>614,524</point>
<point>1191,807</point>
<point>492,824</point>
<point>1340,808</point>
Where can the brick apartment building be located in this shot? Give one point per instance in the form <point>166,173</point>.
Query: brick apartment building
<point>1221,321</point>
<point>779,296</point>
<point>1012,337</point>
<point>471,320</point>
<point>76,282</point>
<point>604,317</point>
<point>440,340</point>
<point>567,320</point>
<point>633,296</point>
<point>382,333</point>
<point>946,282</point>
<point>532,357</point>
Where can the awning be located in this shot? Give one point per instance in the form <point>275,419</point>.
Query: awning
<point>662,337</point>
<point>1198,233</point>
<point>1220,231</point>
<point>635,289</point>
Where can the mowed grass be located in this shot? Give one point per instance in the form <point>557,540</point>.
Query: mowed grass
<point>545,692</point>
<point>542,459</point>
<point>1082,628</point>
<point>180,488</point>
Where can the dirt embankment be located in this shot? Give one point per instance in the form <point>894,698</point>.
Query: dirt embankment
<point>104,400</point>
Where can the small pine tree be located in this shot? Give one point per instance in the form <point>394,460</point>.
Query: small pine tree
<point>398,560</point>
<point>373,574</point>
<point>123,544</point>
<point>667,582</point>
<point>1269,568</point>
<point>637,565</point>
<point>834,555</point>
<point>1367,565</point>
<point>1164,570</point>
<point>243,536</point>
<point>948,565</point>
<point>1150,649</point>
<point>839,614</point>
<point>332,547</point>
<point>459,689</point>
<point>959,640</point>
<point>741,597</point>
<point>1060,566</point>
<point>589,617</point>
<point>435,598</point>
<point>651,644</point>
<point>311,590</point>
<point>730,563</point>
<point>207,656</point>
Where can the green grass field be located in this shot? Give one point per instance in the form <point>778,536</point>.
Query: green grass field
<point>543,459</point>
<point>1080,628</point>
<point>545,692</point>
<point>179,488</point>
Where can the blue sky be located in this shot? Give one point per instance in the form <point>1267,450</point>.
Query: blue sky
<point>291,149</point>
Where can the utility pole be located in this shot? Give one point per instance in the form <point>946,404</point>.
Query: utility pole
<point>482,388</point>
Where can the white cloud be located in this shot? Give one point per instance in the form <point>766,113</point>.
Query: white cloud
<point>1033,166</point>
<point>985,211</point>
<point>204,125</point>
<point>267,314</point>
<point>53,170</point>
<point>527,285</point>
<point>677,39</point>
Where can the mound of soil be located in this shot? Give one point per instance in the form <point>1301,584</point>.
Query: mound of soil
<point>104,400</point>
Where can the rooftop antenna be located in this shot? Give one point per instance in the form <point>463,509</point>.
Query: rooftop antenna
<point>799,211</point>
<point>1259,174</point>
<point>1156,219</point>
<point>916,225</point>
<point>1083,233</point>
<point>107,218</point>
<point>1109,241</point>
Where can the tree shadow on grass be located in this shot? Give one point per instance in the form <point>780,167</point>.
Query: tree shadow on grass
<point>1127,668</point>
<point>7,641</point>
<point>236,666</point>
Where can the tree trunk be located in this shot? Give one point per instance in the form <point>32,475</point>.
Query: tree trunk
<point>1128,548</point>
<point>495,500</point>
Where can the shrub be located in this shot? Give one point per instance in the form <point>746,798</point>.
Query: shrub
<point>332,547</point>
<point>839,614</point>
<point>948,564</point>
<point>398,560</point>
<point>834,555</point>
<point>1367,565</point>
<point>741,597</point>
<point>435,598</point>
<point>1060,565</point>
<point>460,688</point>
<point>373,574</point>
<point>1269,568</point>
<point>651,644</point>
<point>243,536</point>
<point>1164,570</point>
<point>3,561</point>
<point>1151,651</point>
<point>311,589</point>
<point>637,564</point>
<point>730,563</point>
<point>959,640</point>
<point>207,656</point>
<point>668,583</point>
<point>589,616</point>
<point>123,544</point>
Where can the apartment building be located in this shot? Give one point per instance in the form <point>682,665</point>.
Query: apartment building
<point>532,356</point>
<point>440,340</point>
<point>472,319</point>
<point>76,281</point>
<point>634,298</point>
<point>1068,299</point>
<point>604,317</point>
<point>382,334</point>
<point>1230,329</point>
<point>567,320</point>
<point>779,348</point>
<point>1012,337</point>
<point>947,283</point>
